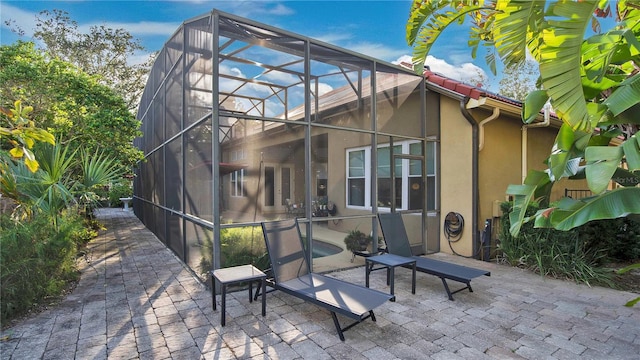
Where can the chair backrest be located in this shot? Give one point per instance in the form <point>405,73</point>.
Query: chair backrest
<point>395,234</point>
<point>286,251</point>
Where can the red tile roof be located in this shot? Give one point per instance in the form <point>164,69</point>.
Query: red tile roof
<point>473,92</point>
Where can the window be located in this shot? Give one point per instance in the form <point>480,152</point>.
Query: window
<point>357,187</point>
<point>238,182</point>
<point>416,192</point>
<point>384,176</point>
<point>236,155</point>
<point>431,175</point>
<point>407,182</point>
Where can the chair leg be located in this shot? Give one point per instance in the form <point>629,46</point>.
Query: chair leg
<point>337,324</point>
<point>259,292</point>
<point>341,330</point>
<point>446,287</point>
<point>450,293</point>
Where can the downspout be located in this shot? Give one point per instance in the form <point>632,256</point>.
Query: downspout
<point>524,142</point>
<point>493,116</point>
<point>474,170</point>
<point>477,145</point>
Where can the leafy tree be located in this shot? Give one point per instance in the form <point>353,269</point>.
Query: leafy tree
<point>520,80</point>
<point>73,106</point>
<point>592,82</point>
<point>103,51</point>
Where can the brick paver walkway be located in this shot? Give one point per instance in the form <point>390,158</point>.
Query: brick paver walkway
<point>135,300</point>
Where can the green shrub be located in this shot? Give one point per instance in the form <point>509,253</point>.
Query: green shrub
<point>36,261</point>
<point>618,238</point>
<point>119,190</point>
<point>562,254</point>
<point>239,246</point>
<point>83,235</point>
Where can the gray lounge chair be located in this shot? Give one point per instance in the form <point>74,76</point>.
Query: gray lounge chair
<point>395,236</point>
<point>292,274</point>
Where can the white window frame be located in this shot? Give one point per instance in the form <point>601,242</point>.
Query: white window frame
<point>367,176</point>
<point>405,146</point>
<point>237,178</point>
<point>431,175</point>
<point>237,183</point>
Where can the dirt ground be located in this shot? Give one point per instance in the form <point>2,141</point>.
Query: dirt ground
<point>629,281</point>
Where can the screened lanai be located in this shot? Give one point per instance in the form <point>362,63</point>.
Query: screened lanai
<point>243,123</point>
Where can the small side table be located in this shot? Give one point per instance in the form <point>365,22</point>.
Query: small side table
<point>390,261</point>
<point>366,253</point>
<point>235,275</point>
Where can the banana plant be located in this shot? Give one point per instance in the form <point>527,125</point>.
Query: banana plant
<point>591,82</point>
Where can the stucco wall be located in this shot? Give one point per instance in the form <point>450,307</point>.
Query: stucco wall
<point>456,175</point>
<point>500,162</point>
<point>499,165</point>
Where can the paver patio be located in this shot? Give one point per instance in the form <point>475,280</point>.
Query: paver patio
<point>135,300</point>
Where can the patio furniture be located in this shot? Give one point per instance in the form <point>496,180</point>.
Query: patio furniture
<point>395,236</point>
<point>292,275</point>
<point>390,262</point>
<point>366,253</point>
<point>294,210</point>
<point>236,275</point>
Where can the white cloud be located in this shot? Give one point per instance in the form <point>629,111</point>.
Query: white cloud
<point>334,38</point>
<point>375,50</point>
<point>279,77</point>
<point>254,9</point>
<point>24,19</point>
<point>280,9</point>
<point>403,59</point>
<point>324,88</point>
<point>466,72</point>
<point>138,58</point>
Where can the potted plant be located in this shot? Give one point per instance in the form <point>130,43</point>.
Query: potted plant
<point>356,240</point>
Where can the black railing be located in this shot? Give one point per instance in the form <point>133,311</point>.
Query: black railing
<point>577,193</point>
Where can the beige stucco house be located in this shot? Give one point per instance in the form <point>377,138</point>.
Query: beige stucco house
<point>245,123</point>
<point>483,147</point>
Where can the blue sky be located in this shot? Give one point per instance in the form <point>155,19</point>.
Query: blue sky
<point>374,28</point>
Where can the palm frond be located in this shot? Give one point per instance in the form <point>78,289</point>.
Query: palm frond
<point>433,25</point>
<point>610,205</point>
<point>55,161</point>
<point>631,149</point>
<point>98,170</point>
<point>515,22</point>
<point>625,96</point>
<point>419,13</point>
<point>560,59</point>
